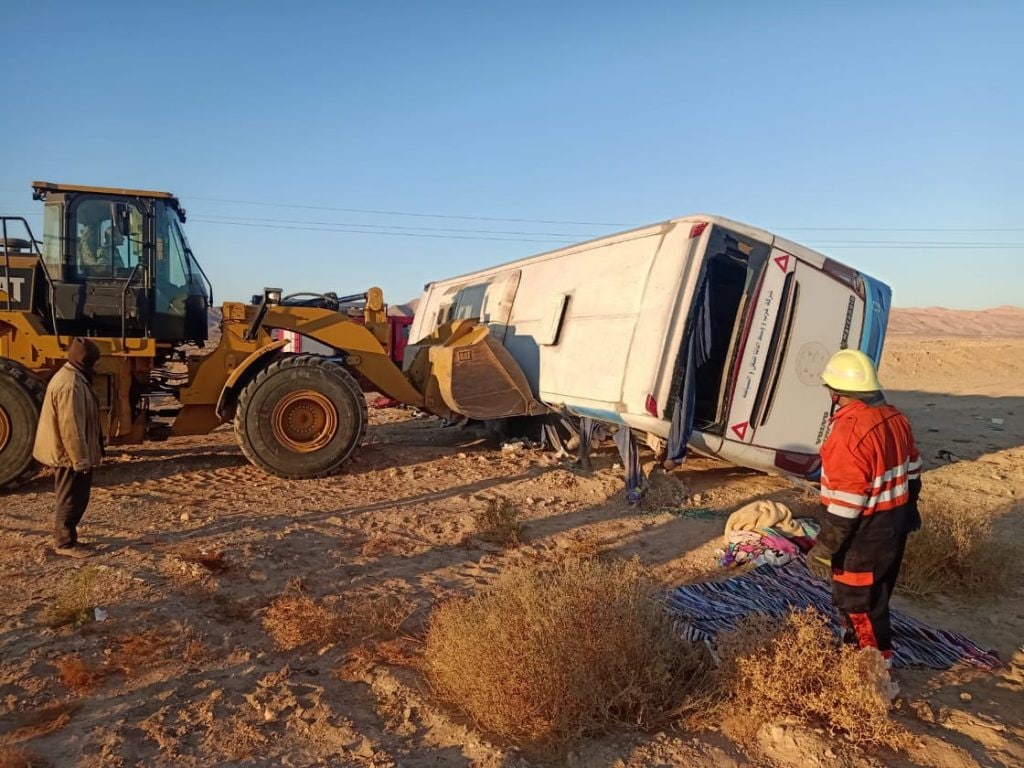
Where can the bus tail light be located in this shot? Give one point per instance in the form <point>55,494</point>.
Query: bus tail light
<point>802,464</point>
<point>652,406</point>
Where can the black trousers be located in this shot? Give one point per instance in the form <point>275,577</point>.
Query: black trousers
<point>863,577</point>
<point>72,490</point>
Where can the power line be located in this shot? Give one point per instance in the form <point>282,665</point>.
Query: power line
<point>238,221</point>
<point>233,219</point>
<point>381,232</point>
<point>902,229</point>
<point>566,238</point>
<point>405,213</point>
<point>912,242</point>
<point>950,246</point>
<point>587,223</point>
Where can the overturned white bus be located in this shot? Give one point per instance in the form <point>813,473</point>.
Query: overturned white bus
<point>721,325</point>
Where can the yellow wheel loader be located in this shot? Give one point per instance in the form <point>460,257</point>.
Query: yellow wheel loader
<point>114,266</point>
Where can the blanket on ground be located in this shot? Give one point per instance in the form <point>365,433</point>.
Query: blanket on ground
<point>709,608</point>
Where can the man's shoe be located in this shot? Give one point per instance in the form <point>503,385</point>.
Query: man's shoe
<point>72,551</point>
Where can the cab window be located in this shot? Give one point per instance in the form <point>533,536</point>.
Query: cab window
<point>173,267</point>
<point>108,239</point>
<point>52,233</point>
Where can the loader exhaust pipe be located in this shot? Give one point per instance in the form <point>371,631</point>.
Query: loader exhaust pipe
<point>271,297</point>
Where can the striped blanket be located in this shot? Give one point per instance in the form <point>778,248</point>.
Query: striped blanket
<point>708,608</point>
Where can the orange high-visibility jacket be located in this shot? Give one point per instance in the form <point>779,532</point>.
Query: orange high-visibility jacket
<point>868,461</point>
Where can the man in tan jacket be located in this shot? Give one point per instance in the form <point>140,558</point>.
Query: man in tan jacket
<point>69,440</point>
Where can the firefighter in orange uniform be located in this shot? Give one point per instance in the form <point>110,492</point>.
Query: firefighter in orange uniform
<point>870,483</point>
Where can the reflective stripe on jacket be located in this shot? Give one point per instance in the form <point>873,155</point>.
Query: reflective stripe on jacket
<point>868,461</point>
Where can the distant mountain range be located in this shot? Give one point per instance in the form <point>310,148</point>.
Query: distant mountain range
<point>1005,321</point>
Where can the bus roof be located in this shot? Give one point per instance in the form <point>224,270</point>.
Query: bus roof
<point>695,218</point>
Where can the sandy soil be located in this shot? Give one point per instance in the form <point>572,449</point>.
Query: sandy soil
<point>401,521</point>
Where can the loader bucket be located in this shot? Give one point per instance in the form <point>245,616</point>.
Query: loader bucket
<point>475,376</point>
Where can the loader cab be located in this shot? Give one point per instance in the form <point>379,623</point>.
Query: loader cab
<point>120,265</point>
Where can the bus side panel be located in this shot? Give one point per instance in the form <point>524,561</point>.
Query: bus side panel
<point>605,288</point>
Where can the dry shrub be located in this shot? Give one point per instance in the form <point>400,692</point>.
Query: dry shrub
<point>499,523</point>
<point>956,552</point>
<point>583,547</point>
<point>234,608</point>
<point>34,723</point>
<point>542,658</point>
<point>380,545</point>
<point>139,651</point>
<point>399,652</point>
<point>17,757</point>
<point>74,602</point>
<point>294,619</point>
<point>773,670</point>
<point>374,616</point>
<point>78,676</point>
<point>194,650</point>
<point>395,652</point>
<point>214,562</point>
<point>665,492</point>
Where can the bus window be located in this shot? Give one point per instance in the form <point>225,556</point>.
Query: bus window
<point>469,303</point>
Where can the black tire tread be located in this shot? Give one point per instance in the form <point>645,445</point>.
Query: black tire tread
<point>36,389</point>
<point>291,361</point>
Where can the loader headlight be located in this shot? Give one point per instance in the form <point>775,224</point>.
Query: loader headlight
<point>272,295</point>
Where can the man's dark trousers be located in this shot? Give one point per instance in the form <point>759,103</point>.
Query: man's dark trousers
<point>72,490</point>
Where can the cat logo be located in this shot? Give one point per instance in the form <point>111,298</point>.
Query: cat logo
<point>15,288</point>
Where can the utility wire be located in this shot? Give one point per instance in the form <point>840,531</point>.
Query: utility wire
<point>913,242</point>
<point>588,223</point>
<point>234,219</point>
<point>949,246</point>
<point>902,229</point>
<point>380,232</point>
<point>363,228</point>
<point>383,229</point>
<point>405,213</point>
<point>345,226</point>
<point>568,238</point>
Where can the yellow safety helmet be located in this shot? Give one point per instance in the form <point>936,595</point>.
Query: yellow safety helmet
<point>850,370</point>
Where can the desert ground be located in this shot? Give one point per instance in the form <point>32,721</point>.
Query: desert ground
<point>182,672</point>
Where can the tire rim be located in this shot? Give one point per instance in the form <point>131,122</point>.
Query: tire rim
<point>304,421</point>
<point>5,429</point>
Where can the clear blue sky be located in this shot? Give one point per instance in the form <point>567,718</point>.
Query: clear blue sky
<point>792,116</point>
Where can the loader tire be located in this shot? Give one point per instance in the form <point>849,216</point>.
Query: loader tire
<point>301,417</point>
<point>21,400</point>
